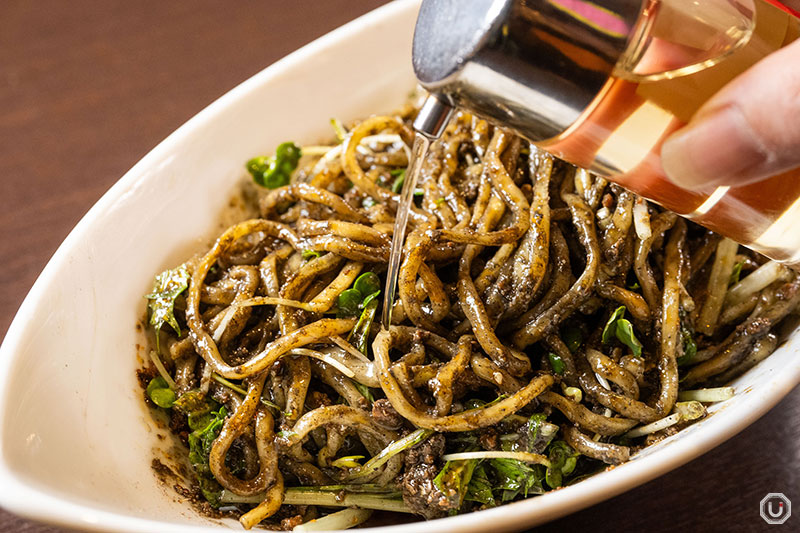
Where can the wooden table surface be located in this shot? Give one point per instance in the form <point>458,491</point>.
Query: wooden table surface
<point>88,87</point>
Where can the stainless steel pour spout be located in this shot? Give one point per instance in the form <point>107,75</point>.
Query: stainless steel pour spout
<point>531,65</point>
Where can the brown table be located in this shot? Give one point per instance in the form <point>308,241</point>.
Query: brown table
<point>87,87</point>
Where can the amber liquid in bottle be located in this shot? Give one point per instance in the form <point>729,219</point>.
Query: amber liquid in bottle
<point>621,133</point>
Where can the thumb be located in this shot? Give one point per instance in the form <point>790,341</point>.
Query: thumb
<point>748,131</point>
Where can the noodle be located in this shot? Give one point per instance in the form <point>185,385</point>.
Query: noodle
<point>541,313</point>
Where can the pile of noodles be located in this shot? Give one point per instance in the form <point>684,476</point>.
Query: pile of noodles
<point>507,249</point>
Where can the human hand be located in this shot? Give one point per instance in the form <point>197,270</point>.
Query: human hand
<point>747,132</point>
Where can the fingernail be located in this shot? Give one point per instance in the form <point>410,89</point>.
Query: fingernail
<point>719,149</point>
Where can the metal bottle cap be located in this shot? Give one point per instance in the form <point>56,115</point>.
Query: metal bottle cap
<point>532,65</point>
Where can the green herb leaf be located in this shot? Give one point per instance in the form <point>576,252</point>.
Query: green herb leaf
<point>166,288</point>
<point>400,178</point>
<point>365,391</point>
<point>359,337</point>
<point>689,347</point>
<point>310,254</point>
<point>622,329</point>
<point>625,335</point>
<point>556,363</point>
<point>275,171</point>
<point>163,397</point>
<point>439,201</point>
<point>195,403</point>
<point>199,421</point>
<point>348,302</point>
<point>285,434</point>
<point>736,274</point>
<point>515,477</point>
<point>454,479</point>
<point>634,286</point>
<point>611,326</point>
<point>369,298</point>
<point>562,462</point>
<point>572,337</point>
<point>367,283</point>
<point>200,442</point>
<point>480,488</point>
<point>540,433</point>
<point>159,393</point>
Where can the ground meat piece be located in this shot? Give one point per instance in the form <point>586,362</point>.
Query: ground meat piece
<point>177,422</point>
<point>354,197</point>
<point>468,186</point>
<point>144,375</point>
<point>527,190</point>
<point>427,452</point>
<point>421,495</point>
<point>318,399</point>
<point>385,415</point>
<point>288,524</point>
<point>423,463</point>
<point>466,383</point>
<point>488,439</point>
<point>239,355</point>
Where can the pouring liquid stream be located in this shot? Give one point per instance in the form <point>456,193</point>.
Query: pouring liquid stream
<point>418,152</point>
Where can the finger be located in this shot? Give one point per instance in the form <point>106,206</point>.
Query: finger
<point>748,131</point>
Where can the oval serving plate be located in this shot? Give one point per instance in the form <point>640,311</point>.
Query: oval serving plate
<point>76,448</point>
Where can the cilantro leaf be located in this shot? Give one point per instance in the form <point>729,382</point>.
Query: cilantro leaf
<point>515,477</point>
<point>480,488</point>
<point>195,404</point>
<point>540,433</point>
<point>167,286</point>
<point>200,442</point>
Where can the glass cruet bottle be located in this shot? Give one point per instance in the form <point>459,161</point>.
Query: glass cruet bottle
<point>602,84</point>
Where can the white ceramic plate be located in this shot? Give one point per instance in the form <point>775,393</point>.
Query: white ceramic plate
<point>76,442</point>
